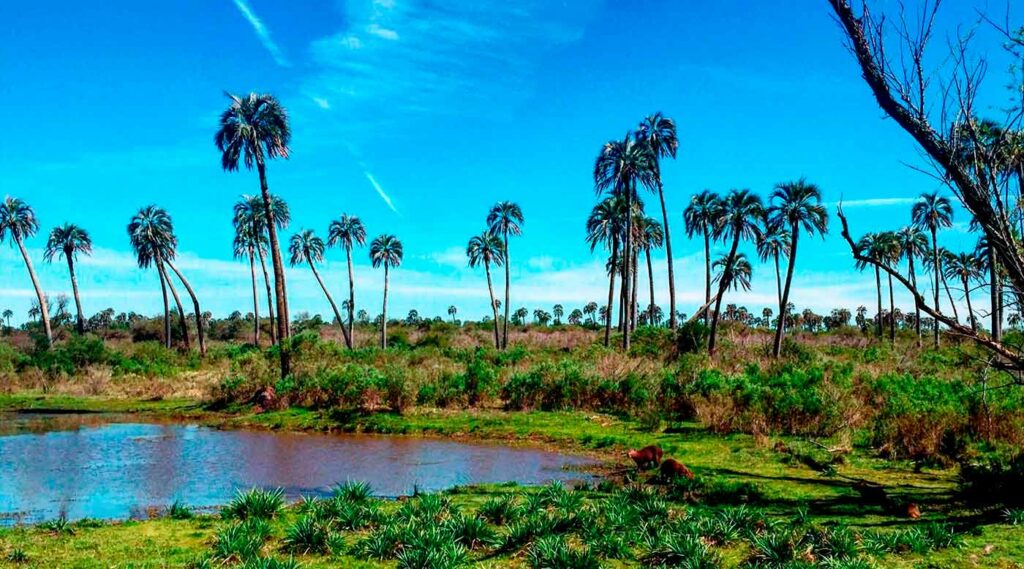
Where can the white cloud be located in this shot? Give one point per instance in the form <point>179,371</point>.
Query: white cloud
<point>262,32</point>
<point>874,202</point>
<point>381,32</point>
<point>380,191</point>
<point>321,102</point>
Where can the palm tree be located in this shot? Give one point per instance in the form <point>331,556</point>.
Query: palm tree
<point>890,254</point>
<point>152,237</point>
<point>255,129</point>
<point>505,219</point>
<point>18,221</point>
<point>520,315</point>
<point>771,246</point>
<point>68,241</point>
<point>452,311</point>
<point>700,217</point>
<point>659,134</point>
<point>590,309</point>
<point>347,232</point>
<point>306,247</point>
<point>246,244</point>
<point>874,247</point>
<point>965,267</point>
<point>913,244</point>
<point>386,251</point>
<point>738,219</point>
<point>739,276</point>
<point>605,226</point>
<point>987,258</point>
<point>487,248</point>
<point>7,315</point>
<point>932,212</point>
<point>620,168</point>
<point>651,236</point>
<point>249,211</point>
<point>558,310</point>
<point>795,205</point>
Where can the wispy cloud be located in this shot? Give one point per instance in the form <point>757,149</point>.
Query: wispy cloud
<point>262,32</point>
<point>380,191</point>
<point>420,55</point>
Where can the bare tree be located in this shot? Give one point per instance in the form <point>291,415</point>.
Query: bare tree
<point>933,98</point>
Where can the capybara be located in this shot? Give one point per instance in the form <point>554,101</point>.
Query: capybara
<point>647,457</point>
<point>671,469</point>
<point>913,511</point>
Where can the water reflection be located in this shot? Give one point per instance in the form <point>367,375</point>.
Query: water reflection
<point>87,466</point>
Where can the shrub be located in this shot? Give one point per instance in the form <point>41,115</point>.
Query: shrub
<point>993,479</point>
<point>179,511</point>
<point>241,541</point>
<point>692,337</point>
<point>256,503</point>
<point>306,535</point>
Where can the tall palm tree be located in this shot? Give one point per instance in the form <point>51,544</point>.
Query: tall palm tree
<point>620,168</point>
<point>252,130</point>
<point>7,315</point>
<point>932,212</point>
<point>152,237</point>
<point>18,222</point>
<point>347,232</point>
<point>890,254</point>
<point>558,310</point>
<point>386,250</point>
<point>505,219</point>
<point>246,244</point>
<point>700,217</point>
<point>659,134</point>
<point>964,267</point>
<point>200,322</point>
<point>771,246</point>
<point>452,311</point>
<point>913,244</point>
<point>604,227</point>
<point>987,258</point>
<point>249,211</point>
<point>874,247</point>
<point>739,219</point>
<point>68,241</point>
<point>651,236</point>
<point>795,206</point>
<point>487,249</point>
<point>306,247</point>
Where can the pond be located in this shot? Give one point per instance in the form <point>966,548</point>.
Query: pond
<point>94,466</point>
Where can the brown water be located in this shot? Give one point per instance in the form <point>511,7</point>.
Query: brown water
<point>93,466</point>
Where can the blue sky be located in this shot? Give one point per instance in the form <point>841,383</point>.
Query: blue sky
<point>417,115</point>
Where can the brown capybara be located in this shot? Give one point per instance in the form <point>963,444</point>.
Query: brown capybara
<point>913,511</point>
<point>671,469</point>
<point>647,457</point>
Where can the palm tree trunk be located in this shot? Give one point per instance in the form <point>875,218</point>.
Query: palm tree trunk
<point>668,258</point>
<point>494,307</point>
<point>330,299</point>
<point>970,309</point>
<point>627,256</point>
<point>351,300</point>
<point>784,301</point>
<point>69,255</point>
<point>778,280</point>
<point>726,276</point>
<point>878,285</point>
<point>707,274</point>
<point>611,291</point>
<point>650,281</point>
<point>949,295</point>
<point>280,290</point>
<point>255,299</point>
<point>167,309</point>
<point>634,302</point>
<point>892,315</point>
<point>270,296</point>
<point>508,283</point>
<point>917,310</point>
<point>384,313</point>
<point>195,306</point>
<point>43,309</point>
<point>935,263</point>
<point>181,311</point>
